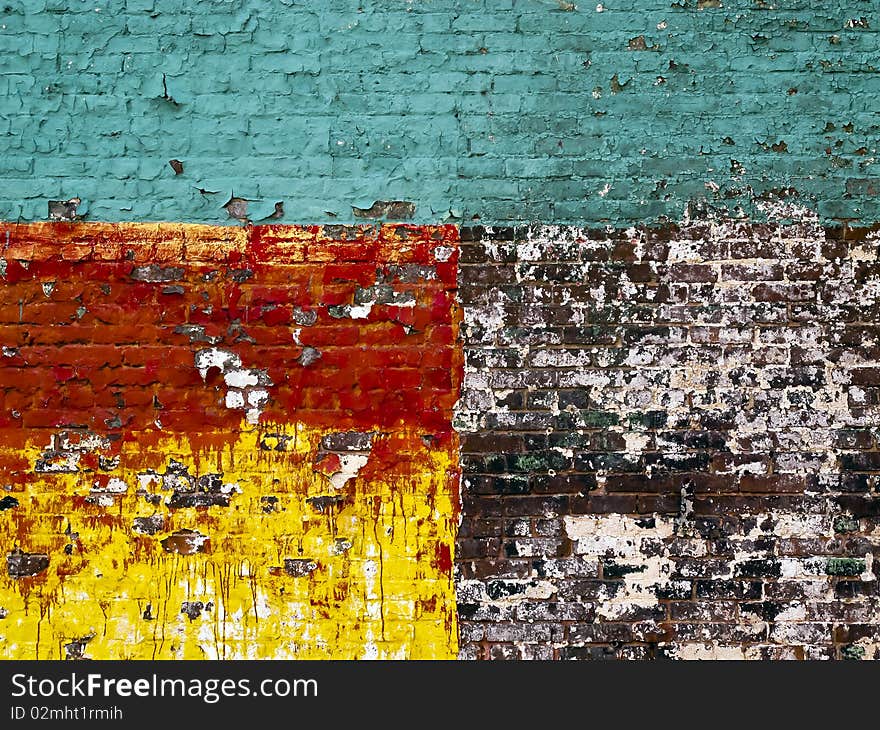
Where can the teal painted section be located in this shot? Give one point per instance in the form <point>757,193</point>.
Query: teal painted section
<point>509,110</point>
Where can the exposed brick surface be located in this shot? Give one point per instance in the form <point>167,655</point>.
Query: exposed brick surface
<point>669,439</point>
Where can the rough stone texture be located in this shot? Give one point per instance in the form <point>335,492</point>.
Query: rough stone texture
<point>510,110</point>
<point>670,441</point>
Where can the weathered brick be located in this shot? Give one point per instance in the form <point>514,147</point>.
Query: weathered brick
<point>176,429</point>
<point>700,478</point>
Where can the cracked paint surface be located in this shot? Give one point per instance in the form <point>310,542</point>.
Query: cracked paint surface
<point>503,112</point>
<point>180,482</point>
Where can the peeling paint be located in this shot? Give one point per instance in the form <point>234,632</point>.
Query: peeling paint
<point>146,518</point>
<point>679,421</point>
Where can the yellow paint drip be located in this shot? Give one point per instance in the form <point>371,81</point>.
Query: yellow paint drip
<point>362,582</point>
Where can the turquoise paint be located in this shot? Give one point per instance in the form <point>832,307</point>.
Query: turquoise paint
<point>510,110</point>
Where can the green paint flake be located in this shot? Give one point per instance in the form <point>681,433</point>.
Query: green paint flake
<point>529,463</point>
<point>598,418</point>
<point>853,652</point>
<point>847,567</point>
<point>844,523</point>
<point>650,419</point>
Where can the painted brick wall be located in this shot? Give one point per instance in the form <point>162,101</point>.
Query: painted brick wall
<point>509,110</point>
<point>227,443</point>
<point>670,443</point>
<point>243,439</point>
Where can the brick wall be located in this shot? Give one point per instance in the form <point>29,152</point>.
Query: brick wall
<point>220,442</point>
<point>670,442</point>
<point>666,409</point>
<point>509,110</point>
<point>227,443</point>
